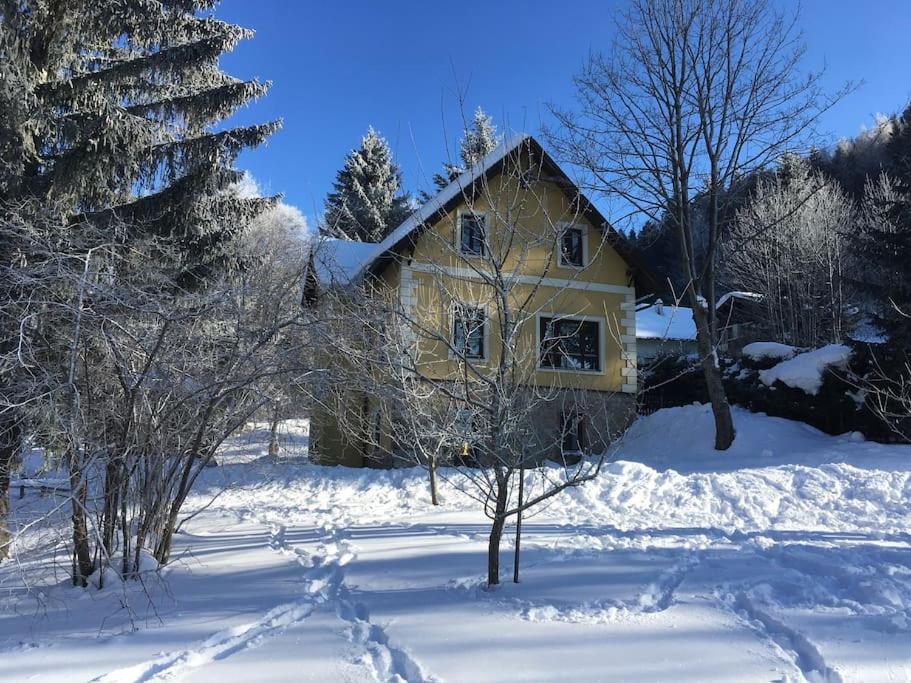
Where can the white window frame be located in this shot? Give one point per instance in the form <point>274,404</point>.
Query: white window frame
<point>581,227</point>
<point>602,346</point>
<point>485,244</point>
<point>485,332</point>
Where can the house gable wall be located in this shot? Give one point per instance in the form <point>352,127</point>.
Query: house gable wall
<point>433,274</point>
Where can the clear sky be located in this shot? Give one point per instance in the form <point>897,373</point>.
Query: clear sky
<point>338,66</point>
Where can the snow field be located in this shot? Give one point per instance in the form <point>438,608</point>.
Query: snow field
<point>786,558</point>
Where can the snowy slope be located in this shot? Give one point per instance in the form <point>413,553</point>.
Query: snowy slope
<point>786,558</point>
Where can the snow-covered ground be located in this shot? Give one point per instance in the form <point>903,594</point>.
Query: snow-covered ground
<point>786,558</point>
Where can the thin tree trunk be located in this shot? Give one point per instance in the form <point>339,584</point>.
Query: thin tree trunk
<point>432,470</point>
<point>496,533</point>
<point>273,434</point>
<point>493,551</point>
<point>5,465</point>
<point>125,570</point>
<point>721,409</point>
<point>10,443</point>
<point>83,564</point>
<point>112,492</point>
<point>515,568</point>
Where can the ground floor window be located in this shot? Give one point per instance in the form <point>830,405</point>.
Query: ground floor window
<point>570,344</point>
<point>468,331</point>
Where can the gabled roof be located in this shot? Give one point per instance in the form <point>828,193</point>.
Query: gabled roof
<point>738,296</point>
<point>375,257</point>
<point>445,199</point>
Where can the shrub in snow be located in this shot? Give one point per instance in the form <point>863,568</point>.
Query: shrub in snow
<point>835,408</point>
<point>805,371</point>
<point>669,381</point>
<point>764,350</point>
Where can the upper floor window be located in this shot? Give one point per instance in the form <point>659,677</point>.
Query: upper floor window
<point>472,234</point>
<point>572,247</point>
<point>570,344</point>
<point>468,331</point>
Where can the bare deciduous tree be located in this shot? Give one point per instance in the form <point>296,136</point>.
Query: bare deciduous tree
<point>453,380</point>
<point>693,95</point>
<point>153,377</point>
<point>789,244</point>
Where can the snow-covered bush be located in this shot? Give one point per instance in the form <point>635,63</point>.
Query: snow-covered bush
<point>833,388</point>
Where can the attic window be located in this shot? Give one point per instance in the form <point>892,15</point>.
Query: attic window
<point>572,247</point>
<point>472,234</point>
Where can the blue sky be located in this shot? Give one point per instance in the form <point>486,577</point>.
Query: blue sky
<point>338,67</point>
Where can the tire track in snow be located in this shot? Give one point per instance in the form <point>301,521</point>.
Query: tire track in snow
<point>218,646</point>
<point>657,597</point>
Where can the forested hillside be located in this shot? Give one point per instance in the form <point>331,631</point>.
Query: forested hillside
<point>827,231</point>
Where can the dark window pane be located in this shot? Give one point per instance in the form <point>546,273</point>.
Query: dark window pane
<point>570,344</point>
<point>572,432</point>
<point>472,234</point>
<point>468,331</point>
<point>571,247</point>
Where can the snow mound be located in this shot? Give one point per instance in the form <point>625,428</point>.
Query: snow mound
<point>105,578</point>
<point>805,371</point>
<point>774,350</point>
<point>682,439</point>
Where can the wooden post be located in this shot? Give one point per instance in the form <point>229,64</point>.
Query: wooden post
<point>515,569</point>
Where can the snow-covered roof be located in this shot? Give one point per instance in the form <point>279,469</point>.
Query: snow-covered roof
<point>337,261</point>
<point>761,350</point>
<point>431,207</point>
<point>742,296</point>
<point>665,322</point>
<point>661,321</point>
<point>354,266</point>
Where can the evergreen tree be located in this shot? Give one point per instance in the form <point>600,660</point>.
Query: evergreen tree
<point>885,244</point>
<point>478,140</point>
<point>117,104</point>
<point>365,204</point>
<point>107,115</point>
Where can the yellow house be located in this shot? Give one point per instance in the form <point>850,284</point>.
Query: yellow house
<point>509,266</point>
